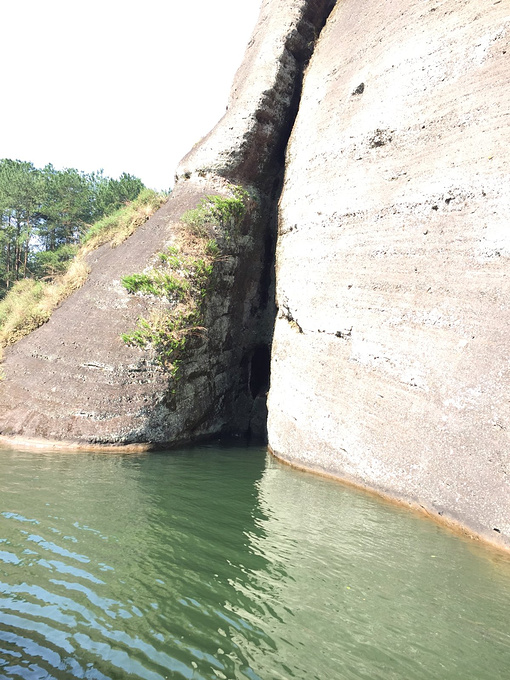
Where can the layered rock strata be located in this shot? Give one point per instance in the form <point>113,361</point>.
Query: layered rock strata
<point>390,360</point>
<point>74,380</point>
<point>391,352</point>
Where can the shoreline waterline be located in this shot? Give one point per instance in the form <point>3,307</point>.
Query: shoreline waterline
<point>452,524</point>
<point>449,522</point>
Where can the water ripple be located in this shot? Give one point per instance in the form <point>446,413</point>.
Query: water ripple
<point>212,563</point>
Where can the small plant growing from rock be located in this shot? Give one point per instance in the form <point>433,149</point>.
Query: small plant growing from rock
<point>184,276</point>
<point>217,211</point>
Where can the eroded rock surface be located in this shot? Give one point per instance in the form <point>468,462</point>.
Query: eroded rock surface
<point>390,363</point>
<point>391,353</point>
<point>75,380</point>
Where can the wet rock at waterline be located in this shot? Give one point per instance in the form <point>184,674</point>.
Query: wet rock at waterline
<point>390,357</point>
<point>389,361</point>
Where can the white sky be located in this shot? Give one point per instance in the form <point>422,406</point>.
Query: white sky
<point>116,84</point>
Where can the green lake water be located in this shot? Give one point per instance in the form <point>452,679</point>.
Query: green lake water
<point>221,563</point>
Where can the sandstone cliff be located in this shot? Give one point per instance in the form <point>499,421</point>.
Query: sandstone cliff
<point>390,355</point>
<point>74,380</point>
<point>391,352</point>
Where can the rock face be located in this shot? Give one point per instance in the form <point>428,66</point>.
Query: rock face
<point>390,359</point>
<point>391,352</point>
<point>74,380</point>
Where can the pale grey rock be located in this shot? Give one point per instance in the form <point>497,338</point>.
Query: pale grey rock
<point>391,352</point>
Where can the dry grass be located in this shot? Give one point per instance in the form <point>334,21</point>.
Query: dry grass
<point>185,277</point>
<point>119,226</point>
<point>30,303</point>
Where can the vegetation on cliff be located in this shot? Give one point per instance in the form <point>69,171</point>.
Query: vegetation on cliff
<point>116,227</point>
<point>30,301</point>
<point>184,276</point>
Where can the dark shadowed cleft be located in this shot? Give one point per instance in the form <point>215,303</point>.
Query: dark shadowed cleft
<point>260,370</point>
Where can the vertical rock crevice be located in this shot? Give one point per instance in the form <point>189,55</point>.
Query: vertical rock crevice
<point>74,380</point>
<point>256,161</point>
<point>268,174</point>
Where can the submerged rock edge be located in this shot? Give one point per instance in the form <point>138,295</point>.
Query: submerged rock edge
<point>390,351</point>
<point>447,521</point>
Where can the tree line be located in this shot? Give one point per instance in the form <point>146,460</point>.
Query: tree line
<point>44,212</point>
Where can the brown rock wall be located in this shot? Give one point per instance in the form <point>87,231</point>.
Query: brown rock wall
<point>248,143</point>
<point>74,379</point>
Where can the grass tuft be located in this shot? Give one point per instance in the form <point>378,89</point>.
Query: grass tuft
<point>226,213</point>
<point>119,226</point>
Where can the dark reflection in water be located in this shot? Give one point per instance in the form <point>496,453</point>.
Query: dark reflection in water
<point>220,563</point>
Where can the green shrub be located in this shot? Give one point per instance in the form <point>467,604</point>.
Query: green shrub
<point>184,274</point>
<point>226,213</point>
<point>166,334</point>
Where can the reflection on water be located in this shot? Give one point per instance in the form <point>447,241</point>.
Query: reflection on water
<point>221,563</point>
